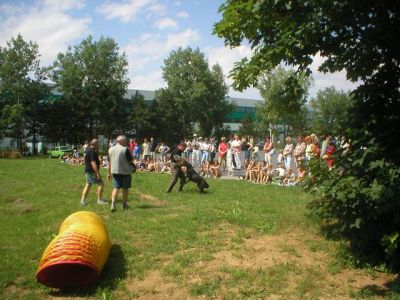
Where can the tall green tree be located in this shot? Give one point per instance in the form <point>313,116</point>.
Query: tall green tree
<point>143,116</point>
<point>92,77</point>
<point>360,194</point>
<point>22,89</point>
<point>330,112</point>
<point>198,93</point>
<point>284,93</point>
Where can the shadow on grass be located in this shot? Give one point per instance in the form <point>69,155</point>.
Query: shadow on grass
<point>148,206</point>
<point>391,290</point>
<point>113,272</point>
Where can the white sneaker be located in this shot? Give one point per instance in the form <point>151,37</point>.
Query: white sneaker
<point>102,202</point>
<point>113,208</point>
<point>83,202</point>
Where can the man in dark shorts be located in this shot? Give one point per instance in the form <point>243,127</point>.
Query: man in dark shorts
<point>176,168</point>
<point>92,172</point>
<point>119,169</point>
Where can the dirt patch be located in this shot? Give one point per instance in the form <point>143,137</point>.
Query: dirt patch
<point>153,200</point>
<point>21,205</point>
<point>290,265</point>
<point>155,286</point>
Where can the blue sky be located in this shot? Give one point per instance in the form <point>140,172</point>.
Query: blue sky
<point>147,30</point>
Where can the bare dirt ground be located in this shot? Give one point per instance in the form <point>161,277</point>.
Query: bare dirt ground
<point>290,265</point>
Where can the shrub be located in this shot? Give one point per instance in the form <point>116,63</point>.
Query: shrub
<point>10,154</point>
<point>360,197</point>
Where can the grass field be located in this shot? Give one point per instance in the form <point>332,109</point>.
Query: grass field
<point>238,241</point>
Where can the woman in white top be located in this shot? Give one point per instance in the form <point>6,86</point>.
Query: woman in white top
<point>268,150</point>
<point>287,152</point>
<point>236,146</point>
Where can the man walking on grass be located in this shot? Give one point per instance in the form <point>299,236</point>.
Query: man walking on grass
<point>119,169</point>
<point>92,172</point>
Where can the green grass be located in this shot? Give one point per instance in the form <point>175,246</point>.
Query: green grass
<point>176,233</point>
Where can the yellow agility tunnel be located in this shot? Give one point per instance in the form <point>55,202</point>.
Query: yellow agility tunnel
<point>76,256</point>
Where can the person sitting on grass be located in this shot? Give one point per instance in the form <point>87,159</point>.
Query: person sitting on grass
<point>249,168</point>
<point>279,174</point>
<point>263,171</point>
<point>215,170</point>
<point>301,174</point>
<point>269,174</point>
<point>205,168</point>
<point>289,178</point>
<point>255,172</point>
<point>166,167</point>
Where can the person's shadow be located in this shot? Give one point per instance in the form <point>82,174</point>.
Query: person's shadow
<point>113,272</point>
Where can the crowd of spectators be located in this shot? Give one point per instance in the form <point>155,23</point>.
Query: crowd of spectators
<point>235,157</point>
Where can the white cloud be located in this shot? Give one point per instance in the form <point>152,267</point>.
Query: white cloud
<point>158,8</point>
<point>148,50</point>
<point>182,39</point>
<point>126,11</point>
<point>130,10</point>
<point>149,81</point>
<point>226,58</point>
<point>46,23</point>
<point>322,81</point>
<point>166,23</point>
<point>154,47</point>
<point>63,5</point>
<point>183,15</point>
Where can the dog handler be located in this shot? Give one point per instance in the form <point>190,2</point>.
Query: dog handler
<point>176,168</point>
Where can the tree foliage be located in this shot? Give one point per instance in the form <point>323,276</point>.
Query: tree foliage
<point>198,93</point>
<point>21,89</point>
<point>284,93</point>
<point>330,110</point>
<point>360,193</point>
<point>92,77</point>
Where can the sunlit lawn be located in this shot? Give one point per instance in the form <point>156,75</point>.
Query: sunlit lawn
<point>181,239</point>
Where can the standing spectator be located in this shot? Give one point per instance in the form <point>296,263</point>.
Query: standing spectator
<point>196,157</point>
<point>92,172</point>
<point>163,152</point>
<point>287,152</point>
<point>146,150</point>
<point>137,150</point>
<point>85,146</point>
<point>213,149</point>
<point>309,153</point>
<point>236,146</point>
<point>268,150</point>
<point>316,148</point>
<point>229,160</point>
<point>119,169</point>
<point>153,147</point>
<point>325,144</point>
<point>328,153</point>
<point>299,151</point>
<point>245,148</point>
<point>110,144</point>
<point>205,149</point>
<point>222,151</point>
<point>132,144</point>
<point>176,168</point>
<point>188,150</point>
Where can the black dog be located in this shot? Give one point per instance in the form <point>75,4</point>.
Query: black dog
<point>193,176</point>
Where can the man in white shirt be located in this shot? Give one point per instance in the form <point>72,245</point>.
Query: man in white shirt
<point>120,168</point>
